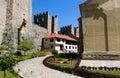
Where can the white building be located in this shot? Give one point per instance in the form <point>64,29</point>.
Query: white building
<point>62,43</point>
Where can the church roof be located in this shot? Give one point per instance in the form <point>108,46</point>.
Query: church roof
<point>54,35</point>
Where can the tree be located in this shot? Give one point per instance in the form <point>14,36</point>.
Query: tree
<point>55,53</point>
<point>7,60</point>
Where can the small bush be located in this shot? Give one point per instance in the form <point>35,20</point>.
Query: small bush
<point>59,59</point>
<point>66,62</point>
<point>25,45</point>
<point>54,52</point>
<point>50,59</point>
<point>6,46</point>
<point>69,55</point>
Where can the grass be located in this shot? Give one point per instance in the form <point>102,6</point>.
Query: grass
<point>65,63</point>
<point>107,72</point>
<point>31,55</point>
<point>11,74</point>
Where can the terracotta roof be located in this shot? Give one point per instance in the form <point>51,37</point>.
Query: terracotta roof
<point>54,35</point>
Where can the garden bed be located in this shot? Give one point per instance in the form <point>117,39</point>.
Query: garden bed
<point>77,71</point>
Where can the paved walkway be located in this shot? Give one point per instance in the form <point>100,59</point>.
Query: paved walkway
<point>34,68</point>
<point>99,63</point>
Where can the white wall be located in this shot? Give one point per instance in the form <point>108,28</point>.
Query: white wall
<point>59,42</point>
<point>57,48</point>
<point>72,50</point>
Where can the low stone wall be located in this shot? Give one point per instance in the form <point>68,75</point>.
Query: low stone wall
<point>101,56</point>
<point>100,68</point>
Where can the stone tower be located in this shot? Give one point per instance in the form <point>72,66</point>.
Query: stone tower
<point>22,9</point>
<point>54,24</point>
<point>3,7</point>
<point>45,20</point>
<point>101,25</point>
<point>12,14</point>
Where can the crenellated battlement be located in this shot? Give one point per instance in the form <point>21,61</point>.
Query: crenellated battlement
<point>70,30</point>
<point>45,20</point>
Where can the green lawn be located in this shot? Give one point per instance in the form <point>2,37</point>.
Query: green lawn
<point>9,74</point>
<point>31,55</point>
<point>68,65</point>
<point>107,72</point>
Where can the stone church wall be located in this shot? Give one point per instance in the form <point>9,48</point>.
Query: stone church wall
<point>101,25</point>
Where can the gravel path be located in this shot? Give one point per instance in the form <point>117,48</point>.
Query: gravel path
<point>34,68</point>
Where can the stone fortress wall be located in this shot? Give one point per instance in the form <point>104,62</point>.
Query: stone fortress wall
<point>70,30</point>
<point>101,27</point>
<point>3,6</point>
<point>11,17</point>
<point>47,21</point>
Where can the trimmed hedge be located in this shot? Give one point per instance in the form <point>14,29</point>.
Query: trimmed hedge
<point>69,55</point>
<point>78,71</point>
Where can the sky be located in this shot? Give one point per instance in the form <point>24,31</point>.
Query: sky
<point>67,10</point>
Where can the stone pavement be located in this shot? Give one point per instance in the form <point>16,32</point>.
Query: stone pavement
<point>99,63</point>
<point>34,68</point>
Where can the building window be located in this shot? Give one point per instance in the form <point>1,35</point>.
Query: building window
<point>69,47</point>
<point>72,47</point>
<point>75,47</point>
<point>66,47</point>
<point>61,47</point>
<point>58,40</point>
<point>62,40</point>
<point>51,46</point>
<point>45,39</point>
<point>51,40</point>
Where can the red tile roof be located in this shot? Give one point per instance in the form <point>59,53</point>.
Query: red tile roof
<point>54,35</point>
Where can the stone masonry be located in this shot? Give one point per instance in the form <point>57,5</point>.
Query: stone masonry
<point>47,21</point>
<point>70,30</point>
<point>101,26</point>
<point>11,17</point>
<point>3,6</point>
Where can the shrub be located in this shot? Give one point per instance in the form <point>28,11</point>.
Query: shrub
<point>69,55</point>
<point>50,59</point>
<point>6,46</point>
<point>6,62</point>
<point>66,62</point>
<point>25,45</point>
<point>59,59</point>
<point>54,52</point>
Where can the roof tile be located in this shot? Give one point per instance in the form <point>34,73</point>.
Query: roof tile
<point>54,35</point>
